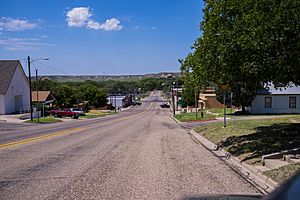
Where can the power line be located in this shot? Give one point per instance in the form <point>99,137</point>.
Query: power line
<point>55,69</point>
<point>34,66</point>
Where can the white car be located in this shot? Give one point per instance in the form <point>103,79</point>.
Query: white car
<point>77,110</point>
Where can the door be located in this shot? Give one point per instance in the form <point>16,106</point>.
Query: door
<point>18,103</point>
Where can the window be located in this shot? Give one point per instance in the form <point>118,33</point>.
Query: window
<point>292,102</point>
<point>268,102</point>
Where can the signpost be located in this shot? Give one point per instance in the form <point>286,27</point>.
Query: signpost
<point>225,88</point>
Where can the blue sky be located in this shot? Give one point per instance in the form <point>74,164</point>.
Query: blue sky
<point>100,36</point>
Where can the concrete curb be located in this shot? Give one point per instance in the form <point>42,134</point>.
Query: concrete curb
<point>124,109</point>
<point>253,175</point>
<point>176,120</point>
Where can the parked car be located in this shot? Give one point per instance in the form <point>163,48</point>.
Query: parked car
<point>65,113</point>
<point>78,110</point>
<point>164,105</point>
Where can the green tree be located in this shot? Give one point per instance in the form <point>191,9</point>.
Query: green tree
<point>194,74</point>
<point>65,96</point>
<point>93,94</point>
<point>44,84</point>
<point>247,43</point>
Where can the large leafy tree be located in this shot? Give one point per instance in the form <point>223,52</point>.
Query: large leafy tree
<point>65,96</point>
<point>246,43</point>
<point>94,95</point>
<point>193,76</point>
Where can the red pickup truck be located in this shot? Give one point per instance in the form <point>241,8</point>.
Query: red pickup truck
<point>64,113</point>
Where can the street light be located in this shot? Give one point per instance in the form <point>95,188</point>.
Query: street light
<point>29,77</point>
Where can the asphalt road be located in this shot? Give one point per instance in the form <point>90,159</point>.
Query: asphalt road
<point>137,154</point>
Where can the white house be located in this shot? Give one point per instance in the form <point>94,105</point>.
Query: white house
<point>276,100</point>
<point>14,87</point>
<point>116,101</point>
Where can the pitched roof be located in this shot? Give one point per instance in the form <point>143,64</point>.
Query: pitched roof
<point>43,96</point>
<point>292,89</point>
<point>7,69</point>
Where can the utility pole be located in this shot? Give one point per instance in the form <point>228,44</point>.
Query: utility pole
<point>196,104</point>
<point>30,89</point>
<point>37,94</point>
<point>231,96</point>
<point>224,101</point>
<point>173,99</point>
<point>115,103</point>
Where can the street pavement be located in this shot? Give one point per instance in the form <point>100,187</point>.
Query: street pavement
<point>138,154</point>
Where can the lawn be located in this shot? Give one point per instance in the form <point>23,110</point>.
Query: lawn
<point>187,117</point>
<point>250,139</point>
<point>281,174</point>
<point>220,111</point>
<point>95,114</point>
<point>44,120</point>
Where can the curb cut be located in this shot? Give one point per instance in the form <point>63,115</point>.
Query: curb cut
<point>254,176</point>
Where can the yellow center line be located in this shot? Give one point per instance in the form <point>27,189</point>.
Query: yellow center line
<point>34,139</point>
<point>11,144</point>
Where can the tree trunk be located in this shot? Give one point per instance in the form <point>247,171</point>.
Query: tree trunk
<point>243,108</point>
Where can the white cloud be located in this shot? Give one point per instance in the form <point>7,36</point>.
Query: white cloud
<point>77,17</point>
<point>23,44</point>
<point>10,24</point>
<point>81,16</point>
<point>112,24</point>
<point>93,25</point>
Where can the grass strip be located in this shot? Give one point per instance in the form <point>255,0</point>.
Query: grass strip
<point>187,117</point>
<point>282,173</point>
<point>250,139</point>
<point>95,114</point>
<point>44,120</point>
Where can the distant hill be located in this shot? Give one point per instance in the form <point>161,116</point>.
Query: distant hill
<point>79,78</point>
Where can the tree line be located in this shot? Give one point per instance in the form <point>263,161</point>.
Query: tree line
<point>244,45</point>
<point>95,94</point>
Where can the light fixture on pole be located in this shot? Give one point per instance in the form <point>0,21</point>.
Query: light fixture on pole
<point>29,79</point>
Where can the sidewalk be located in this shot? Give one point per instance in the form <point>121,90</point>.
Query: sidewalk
<point>12,118</point>
<point>16,119</point>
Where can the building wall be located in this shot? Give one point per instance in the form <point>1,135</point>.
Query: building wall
<point>280,104</point>
<point>212,102</point>
<point>118,101</point>
<point>18,86</point>
<point>2,108</point>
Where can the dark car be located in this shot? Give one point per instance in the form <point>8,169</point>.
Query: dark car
<point>64,113</point>
<point>165,105</point>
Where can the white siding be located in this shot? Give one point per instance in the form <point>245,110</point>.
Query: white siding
<point>18,86</point>
<point>280,104</point>
<point>2,108</point>
<point>118,101</point>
